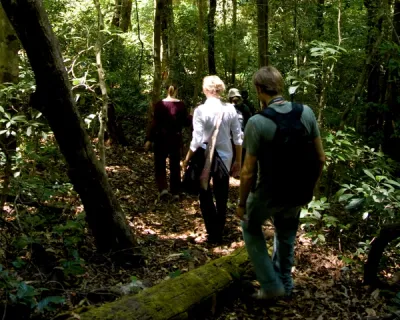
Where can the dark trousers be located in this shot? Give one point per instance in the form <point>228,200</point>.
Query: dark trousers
<point>162,151</point>
<point>214,215</point>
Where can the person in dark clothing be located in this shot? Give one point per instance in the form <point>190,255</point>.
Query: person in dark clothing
<point>247,102</point>
<point>242,109</point>
<point>243,112</point>
<point>165,131</point>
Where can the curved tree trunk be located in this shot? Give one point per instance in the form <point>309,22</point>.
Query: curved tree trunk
<point>54,99</point>
<point>8,50</point>
<point>9,62</point>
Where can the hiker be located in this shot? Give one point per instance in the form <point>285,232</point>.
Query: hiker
<point>247,102</point>
<point>210,116</point>
<point>283,143</point>
<point>243,110</point>
<point>170,116</point>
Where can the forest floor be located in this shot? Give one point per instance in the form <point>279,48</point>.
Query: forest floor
<point>171,237</point>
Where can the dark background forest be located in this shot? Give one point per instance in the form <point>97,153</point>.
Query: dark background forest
<point>78,79</point>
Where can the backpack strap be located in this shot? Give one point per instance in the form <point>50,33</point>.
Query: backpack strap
<point>297,109</point>
<point>271,113</point>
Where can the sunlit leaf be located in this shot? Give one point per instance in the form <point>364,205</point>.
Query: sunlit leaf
<point>369,174</point>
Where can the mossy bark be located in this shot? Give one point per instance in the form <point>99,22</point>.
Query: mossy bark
<point>178,298</point>
<point>54,99</point>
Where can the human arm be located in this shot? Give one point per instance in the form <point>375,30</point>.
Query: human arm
<point>247,179</point>
<point>317,142</point>
<point>197,136</point>
<point>237,140</point>
<point>320,155</point>
<point>248,175</point>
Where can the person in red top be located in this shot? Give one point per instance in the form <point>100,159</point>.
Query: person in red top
<point>165,131</point>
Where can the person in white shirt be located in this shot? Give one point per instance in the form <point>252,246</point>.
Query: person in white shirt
<point>204,121</point>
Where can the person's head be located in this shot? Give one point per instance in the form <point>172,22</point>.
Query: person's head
<point>245,94</point>
<point>213,86</point>
<point>172,90</point>
<point>234,96</point>
<point>268,82</point>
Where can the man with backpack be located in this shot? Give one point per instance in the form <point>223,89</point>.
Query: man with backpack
<point>285,153</point>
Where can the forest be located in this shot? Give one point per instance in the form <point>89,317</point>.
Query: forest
<point>83,233</point>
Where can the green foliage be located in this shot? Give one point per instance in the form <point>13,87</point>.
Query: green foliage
<point>20,293</point>
<point>313,219</point>
<point>377,192</point>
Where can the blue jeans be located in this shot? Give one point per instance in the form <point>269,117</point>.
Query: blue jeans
<point>275,273</point>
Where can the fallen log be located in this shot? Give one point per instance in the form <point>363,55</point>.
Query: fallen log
<point>182,297</point>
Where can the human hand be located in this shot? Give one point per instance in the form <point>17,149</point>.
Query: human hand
<point>236,169</point>
<point>147,145</point>
<point>185,164</point>
<point>240,212</point>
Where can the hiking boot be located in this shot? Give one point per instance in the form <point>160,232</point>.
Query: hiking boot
<point>263,295</point>
<point>163,194</point>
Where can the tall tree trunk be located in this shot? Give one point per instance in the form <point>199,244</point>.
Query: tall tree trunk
<point>140,40</point>
<point>319,23</point>
<point>211,37</point>
<point>126,12</point>
<point>166,35</point>
<point>262,23</point>
<point>159,4</point>
<point>103,118</point>
<point>9,63</point>
<point>321,78</point>
<point>200,51</point>
<point>54,99</point>
<point>392,115</point>
<point>117,13</point>
<point>339,21</point>
<point>234,45</point>
<point>374,24</point>
<point>225,51</point>
<point>8,50</point>
<point>296,39</point>
<point>174,62</point>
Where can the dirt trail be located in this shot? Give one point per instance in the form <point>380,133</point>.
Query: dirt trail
<point>172,236</point>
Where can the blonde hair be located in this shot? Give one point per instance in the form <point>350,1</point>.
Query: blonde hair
<point>269,80</point>
<point>213,84</point>
<point>171,90</point>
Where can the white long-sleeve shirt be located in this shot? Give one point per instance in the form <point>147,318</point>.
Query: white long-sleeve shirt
<point>204,120</point>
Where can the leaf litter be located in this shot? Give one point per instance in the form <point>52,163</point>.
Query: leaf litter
<point>172,239</point>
